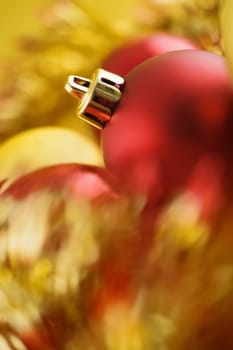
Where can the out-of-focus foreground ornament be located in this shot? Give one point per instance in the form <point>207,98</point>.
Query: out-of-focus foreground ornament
<point>76,273</point>
<point>50,242</point>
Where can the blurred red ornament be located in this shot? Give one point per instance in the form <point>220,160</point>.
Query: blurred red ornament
<point>125,58</point>
<point>48,223</point>
<point>175,109</point>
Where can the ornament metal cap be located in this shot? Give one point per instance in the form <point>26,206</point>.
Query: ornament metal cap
<point>97,96</point>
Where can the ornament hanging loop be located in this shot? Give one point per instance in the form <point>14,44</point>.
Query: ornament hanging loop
<point>97,97</point>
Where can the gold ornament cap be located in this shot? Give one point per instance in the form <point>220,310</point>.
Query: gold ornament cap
<point>97,96</point>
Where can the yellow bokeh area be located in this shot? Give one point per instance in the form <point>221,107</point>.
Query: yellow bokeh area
<point>18,18</point>
<point>226,17</point>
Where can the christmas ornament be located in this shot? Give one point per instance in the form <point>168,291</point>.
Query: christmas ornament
<point>134,52</point>
<point>45,146</point>
<point>176,108</point>
<point>51,240</point>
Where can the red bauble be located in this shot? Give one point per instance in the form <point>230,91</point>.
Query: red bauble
<point>176,109</point>
<point>125,58</point>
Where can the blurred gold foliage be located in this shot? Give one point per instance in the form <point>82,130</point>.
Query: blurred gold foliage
<point>227,30</point>
<point>18,18</point>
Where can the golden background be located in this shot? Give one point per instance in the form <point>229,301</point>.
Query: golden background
<point>18,18</point>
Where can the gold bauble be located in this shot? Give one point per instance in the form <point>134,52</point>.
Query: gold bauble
<point>45,146</point>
